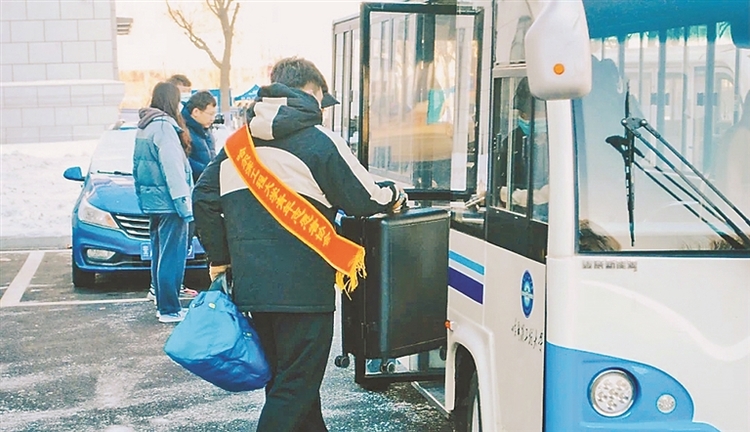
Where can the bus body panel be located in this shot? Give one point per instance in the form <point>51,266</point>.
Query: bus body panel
<point>478,341</point>
<point>681,316</point>
<point>466,315</point>
<point>516,302</point>
<point>511,306</point>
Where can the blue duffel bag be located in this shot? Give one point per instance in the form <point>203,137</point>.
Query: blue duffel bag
<point>218,343</point>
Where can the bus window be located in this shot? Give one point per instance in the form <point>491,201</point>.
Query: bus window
<point>513,150</point>
<point>686,82</point>
<point>353,120</point>
<point>421,105</point>
<point>338,80</point>
<point>540,163</point>
<point>519,171</point>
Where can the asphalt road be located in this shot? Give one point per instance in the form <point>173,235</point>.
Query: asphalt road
<point>92,360</point>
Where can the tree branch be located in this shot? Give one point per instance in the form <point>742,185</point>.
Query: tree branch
<point>234,17</point>
<point>215,6</point>
<point>179,18</point>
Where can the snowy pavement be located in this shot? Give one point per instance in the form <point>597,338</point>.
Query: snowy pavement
<point>35,199</point>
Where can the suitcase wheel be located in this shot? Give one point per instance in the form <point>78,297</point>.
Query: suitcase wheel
<point>341,361</point>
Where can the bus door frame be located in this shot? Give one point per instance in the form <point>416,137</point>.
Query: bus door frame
<point>364,90</point>
<point>375,381</point>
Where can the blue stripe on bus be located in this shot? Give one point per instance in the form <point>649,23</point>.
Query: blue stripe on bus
<point>466,262</point>
<point>466,285</point>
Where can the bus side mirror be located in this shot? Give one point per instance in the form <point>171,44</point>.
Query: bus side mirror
<point>558,52</point>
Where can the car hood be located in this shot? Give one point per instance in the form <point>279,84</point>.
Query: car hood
<point>115,194</point>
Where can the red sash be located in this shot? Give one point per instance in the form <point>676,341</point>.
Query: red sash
<point>295,213</point>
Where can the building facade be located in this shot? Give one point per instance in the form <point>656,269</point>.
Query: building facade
<point>58,70</point>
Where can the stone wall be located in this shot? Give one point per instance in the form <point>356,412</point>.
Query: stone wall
<point>58,70</point>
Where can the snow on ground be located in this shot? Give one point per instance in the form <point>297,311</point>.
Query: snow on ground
<point>35,199</point>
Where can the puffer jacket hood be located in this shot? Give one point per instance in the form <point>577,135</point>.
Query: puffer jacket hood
<point>147,115</point>
<point>281,111</point>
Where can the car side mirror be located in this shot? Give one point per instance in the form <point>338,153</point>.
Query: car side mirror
<point>73,173</point>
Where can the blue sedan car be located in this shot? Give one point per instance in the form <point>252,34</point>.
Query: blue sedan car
<point>110,233</point>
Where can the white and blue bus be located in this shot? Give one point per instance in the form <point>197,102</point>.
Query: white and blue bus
<point>594,156</point>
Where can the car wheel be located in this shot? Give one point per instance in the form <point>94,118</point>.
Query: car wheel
<point>82,278</point>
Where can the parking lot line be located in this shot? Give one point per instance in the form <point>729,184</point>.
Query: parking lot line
<point>81,302</point>
<point>16,289</point>
<point>25,251</point>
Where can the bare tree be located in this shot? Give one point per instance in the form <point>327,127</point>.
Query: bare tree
<point>226,11</point>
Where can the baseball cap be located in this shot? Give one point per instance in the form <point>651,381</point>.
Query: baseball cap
<point>328,100</point>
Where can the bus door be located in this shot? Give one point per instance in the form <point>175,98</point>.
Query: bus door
<point>419,92</point>
<point>516,234</point>
<point>419,107</point>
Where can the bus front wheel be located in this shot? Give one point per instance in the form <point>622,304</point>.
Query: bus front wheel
<point>474,412</point>
<point>467,416</point>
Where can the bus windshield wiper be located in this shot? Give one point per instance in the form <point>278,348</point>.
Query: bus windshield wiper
<point>626,146</point>
<point>119,173</point>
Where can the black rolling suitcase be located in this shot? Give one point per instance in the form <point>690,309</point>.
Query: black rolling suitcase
<point>400,308</point>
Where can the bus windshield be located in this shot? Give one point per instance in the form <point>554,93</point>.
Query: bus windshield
<point>690,81</point>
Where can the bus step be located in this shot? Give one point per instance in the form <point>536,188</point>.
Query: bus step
<point>434,392</point>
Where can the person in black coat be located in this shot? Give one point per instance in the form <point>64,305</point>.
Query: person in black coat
<point>286,286</point>
<point>199,113</point>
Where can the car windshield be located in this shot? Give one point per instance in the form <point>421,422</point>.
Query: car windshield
<point>114,154</point>
<point>688,82</point>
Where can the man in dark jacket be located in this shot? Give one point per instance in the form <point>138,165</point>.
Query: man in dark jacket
<point>199,113</point>
<point>286,285</point>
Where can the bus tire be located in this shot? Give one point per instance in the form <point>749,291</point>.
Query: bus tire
<point>474,411</point>
<point>467,415</point>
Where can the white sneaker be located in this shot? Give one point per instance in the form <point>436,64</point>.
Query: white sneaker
<point>173,317</point>
<point>158,314</point>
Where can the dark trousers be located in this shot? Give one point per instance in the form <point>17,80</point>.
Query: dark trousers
<point>297,347</point>
<point>169,245</point>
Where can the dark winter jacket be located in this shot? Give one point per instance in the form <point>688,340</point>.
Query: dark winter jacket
<point>202,142</point>
<point>273,270</point>
<point>162,174</point>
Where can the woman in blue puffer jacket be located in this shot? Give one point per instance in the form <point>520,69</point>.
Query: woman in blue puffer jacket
<point>163,184</point>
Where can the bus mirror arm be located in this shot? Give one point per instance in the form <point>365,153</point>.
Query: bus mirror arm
<point>632,124</point>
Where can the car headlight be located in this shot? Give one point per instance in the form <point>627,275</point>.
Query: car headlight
<point>99,254</point>
<point>92,215</point>
<point>612,393</point>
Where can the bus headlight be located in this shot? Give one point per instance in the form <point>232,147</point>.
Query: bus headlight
<point>92,215</point>
<point>612,393</point>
